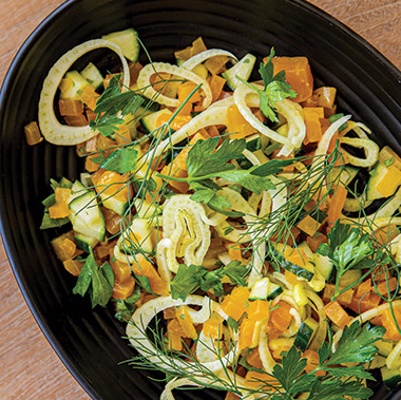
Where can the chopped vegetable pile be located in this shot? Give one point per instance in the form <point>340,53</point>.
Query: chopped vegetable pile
<point>246,231</point>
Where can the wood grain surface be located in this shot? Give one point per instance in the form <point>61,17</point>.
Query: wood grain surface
<point>29,368</point>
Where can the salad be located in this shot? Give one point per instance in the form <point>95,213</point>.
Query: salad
<point>244,230</point>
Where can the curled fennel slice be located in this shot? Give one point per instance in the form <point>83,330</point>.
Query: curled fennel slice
<point>290,110</point>
<point>184,226</point>
<point>138,336</point>
<point>52,130</point>
<point>197,59</point>
<point>211,116</point>
<point>146,89</point>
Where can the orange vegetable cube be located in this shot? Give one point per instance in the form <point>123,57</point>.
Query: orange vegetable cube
<point>123,135</point>
<point>236,303</point>
<point>235,252</point>
<point>386,287</point>
<point>175,333</point>
<point>237,125</point>
<point>249,333</point>
<point>389,182</point>
<point>312,116</point>
<point>184,318</point>
<point>309,225</point>
<point>122,290</point>
<point>113,184</point>
<point>187,98</point>
<point>213,327</point>
<point>32,133</point>
<point>60,209</point>
<point>336,204</point>
<point>216,83</point>
<point>336,313</point>
<point>143,267</point>
<point>280,316</point>
<point>312,358</point>
<point>258,310</point>
<point>363,288</point>
<point>64,246</point>
<point>391,322</point>
<point>73,266</point>
<point>89,97</point>
<point>297,73</point>
<point>121,270</point>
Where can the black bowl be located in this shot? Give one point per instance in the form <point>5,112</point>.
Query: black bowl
<point>88,341</point>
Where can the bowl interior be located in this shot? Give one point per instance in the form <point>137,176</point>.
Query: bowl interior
<point>90,342</point>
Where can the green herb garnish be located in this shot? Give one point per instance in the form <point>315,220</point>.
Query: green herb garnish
<point>96,279</point>
<point>113,105</point>
<point>276,88</point>
<point>350,248</point>
<point>206,161</point>
<point>190,278</point>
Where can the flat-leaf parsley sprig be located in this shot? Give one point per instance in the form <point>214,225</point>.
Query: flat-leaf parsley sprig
<point>112,105</point>
<point>338,379</point>
<point>206,161</point>
<point>276,88</point>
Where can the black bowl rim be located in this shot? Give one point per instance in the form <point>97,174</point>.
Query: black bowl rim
<point>5,228</point>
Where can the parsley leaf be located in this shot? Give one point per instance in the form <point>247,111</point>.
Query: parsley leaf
<point>338,390</point>
<point>203,158</point>
<point>97,280</point>
<point>356,344</point>
<point>122,160</point>
<point>210,197</point>
<point>106,125</point>
<point>276,88</point>
<point>190,278</point>
<point>112,105</point>
<point>206,161</point>
<point>349,248</point>
<point>291,368</point>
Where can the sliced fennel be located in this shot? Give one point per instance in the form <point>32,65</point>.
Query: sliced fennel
<point>191,63</point>
<point>146,89</point>
<point>52,130</point>
<point>290,110</point>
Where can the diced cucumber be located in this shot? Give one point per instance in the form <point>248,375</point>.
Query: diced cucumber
<point>242,69</point>
<point>302,272</point>
<point>391,377</point>
<point>376,363</point>
<point>349,173</point>
<point>378,173</point>
<point>384,347</point>
<point>72,85</point>
<point>350,277</point>
<point>260,289</point>
<point>305,333</point>
<point>148,122</point>
<point>264,289</point>
<point>274,291</point>
<point>325,267</point>
<point>77,189</point>
<point>297,270</point>
<point>92,74</point>
<point>85,242</point>
<point>136,237</point>
<point>146,209</point>
<point>86,216</point>
<point>114,203</point>
<point>127,40</point>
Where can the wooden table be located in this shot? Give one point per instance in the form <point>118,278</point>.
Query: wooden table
<point>29,368</point>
